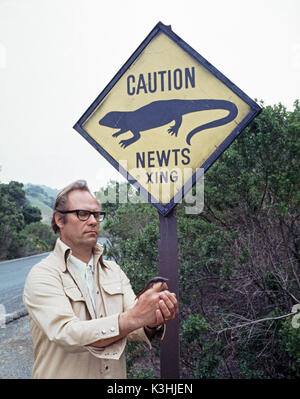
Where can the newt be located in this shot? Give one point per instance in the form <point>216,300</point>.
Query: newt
<point>150,284</point>
<point>159,113</point>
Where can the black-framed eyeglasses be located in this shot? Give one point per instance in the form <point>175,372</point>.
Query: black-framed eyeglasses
<point>84,214</point>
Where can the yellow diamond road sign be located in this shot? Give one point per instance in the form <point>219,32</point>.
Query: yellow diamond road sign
<point>166,113</point>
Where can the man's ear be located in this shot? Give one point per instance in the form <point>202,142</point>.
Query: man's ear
<point>59,220</point>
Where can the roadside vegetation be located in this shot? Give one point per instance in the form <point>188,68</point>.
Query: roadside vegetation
<point>239,259</point>
<point>21,231</point>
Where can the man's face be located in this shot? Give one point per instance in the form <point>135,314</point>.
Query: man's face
<point>77,233</point>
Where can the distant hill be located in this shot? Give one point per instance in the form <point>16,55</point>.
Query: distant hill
<point>51,192</point>
<point>42,197</point>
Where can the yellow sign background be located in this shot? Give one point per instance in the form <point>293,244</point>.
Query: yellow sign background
<point>163,54</point>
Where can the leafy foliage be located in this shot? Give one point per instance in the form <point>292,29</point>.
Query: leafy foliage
<point>43,198</point>
<point>239,259</point>
<point>46,195</point>
<point>290,346</point>
<point>21,232</point>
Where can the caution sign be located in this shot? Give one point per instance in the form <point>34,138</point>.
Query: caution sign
<point>167,113</point>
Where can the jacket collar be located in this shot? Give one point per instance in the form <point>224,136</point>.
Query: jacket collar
<point>63,251</point>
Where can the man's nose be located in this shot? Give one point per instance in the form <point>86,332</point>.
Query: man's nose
<point>92,220</point>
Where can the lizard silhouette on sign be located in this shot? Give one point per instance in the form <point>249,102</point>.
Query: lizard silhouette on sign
<point>159,113</point>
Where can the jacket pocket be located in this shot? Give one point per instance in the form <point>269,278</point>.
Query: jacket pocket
<point>74,294</point>
<point>113,289</point>
<point>113,297</point>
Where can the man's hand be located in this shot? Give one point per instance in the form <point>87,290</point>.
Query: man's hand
<point>154,307</point>
<point>168,307</point>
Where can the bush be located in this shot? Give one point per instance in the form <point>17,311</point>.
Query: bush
<point>239,259</point>
<point>21,233</point>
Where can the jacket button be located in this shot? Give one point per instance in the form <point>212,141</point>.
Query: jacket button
<point>112,329</point>
<point>103,332</point>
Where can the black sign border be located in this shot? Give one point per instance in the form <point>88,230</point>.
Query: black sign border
<point>164,209</point>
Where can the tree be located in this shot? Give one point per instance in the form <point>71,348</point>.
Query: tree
<point>21,232</point>
<point>247,245</point>
<point>11,219</point>
<point>15,192</point>
<point>239,259</point>
<point>31,214</point>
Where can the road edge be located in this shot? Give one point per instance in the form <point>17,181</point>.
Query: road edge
<point>10,317</point>
<point>25,257</point>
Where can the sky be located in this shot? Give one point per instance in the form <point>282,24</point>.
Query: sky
<point>56,56</point>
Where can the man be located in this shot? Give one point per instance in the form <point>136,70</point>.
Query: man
<point>82,309</point>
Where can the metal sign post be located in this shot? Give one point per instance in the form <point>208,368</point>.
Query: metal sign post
<point>168,267</point>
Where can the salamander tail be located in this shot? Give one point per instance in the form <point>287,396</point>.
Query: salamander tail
<point>226,105</point>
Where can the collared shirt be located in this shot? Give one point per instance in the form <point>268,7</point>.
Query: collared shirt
<point>86,273</point>
<point>63,323</point>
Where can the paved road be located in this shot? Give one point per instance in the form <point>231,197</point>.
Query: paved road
<point>16,351</point>
<point>12,277</point>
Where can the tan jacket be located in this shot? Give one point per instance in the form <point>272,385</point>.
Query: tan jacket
<point>64,322</point>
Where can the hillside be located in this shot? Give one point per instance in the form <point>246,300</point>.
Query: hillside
<point>42,197</point>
